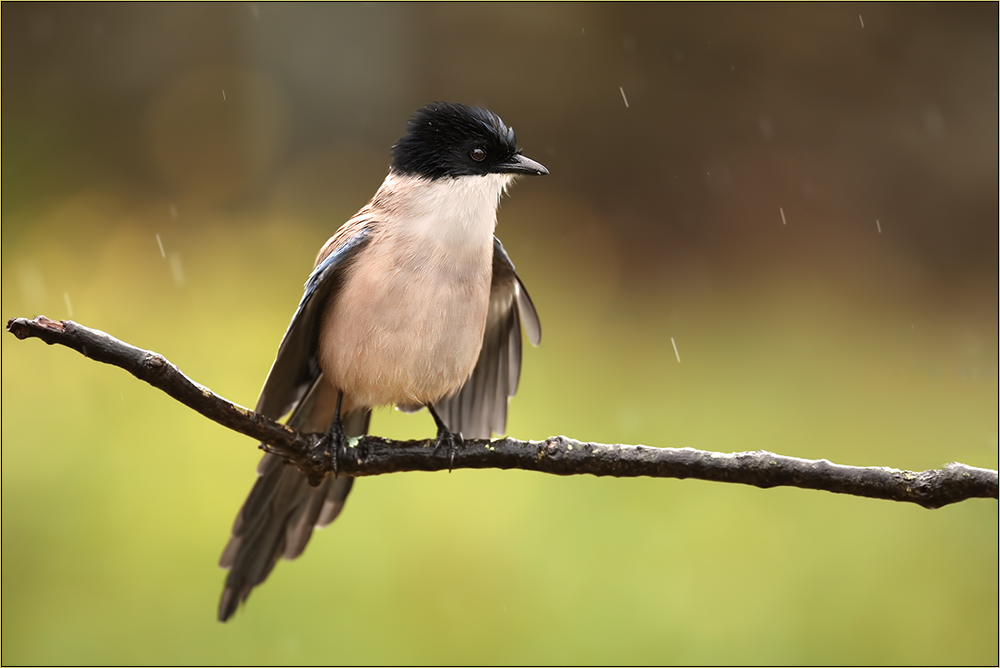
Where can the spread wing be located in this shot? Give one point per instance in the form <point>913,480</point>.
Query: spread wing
<point>295,368</point>
<point>479,409</point>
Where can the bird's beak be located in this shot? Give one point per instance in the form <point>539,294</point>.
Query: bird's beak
<point>520,164</point>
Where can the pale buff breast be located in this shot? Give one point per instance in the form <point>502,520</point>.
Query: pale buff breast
<point>406,325</point>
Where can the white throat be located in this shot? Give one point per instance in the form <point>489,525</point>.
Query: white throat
<point>457,213</point>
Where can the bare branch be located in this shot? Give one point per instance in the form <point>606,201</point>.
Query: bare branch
<point>558,455</point>
<point>156,370</point>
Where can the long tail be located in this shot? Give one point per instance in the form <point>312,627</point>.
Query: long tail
<point>281,512</point>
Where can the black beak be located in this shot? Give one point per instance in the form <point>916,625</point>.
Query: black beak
<point>520,164</point>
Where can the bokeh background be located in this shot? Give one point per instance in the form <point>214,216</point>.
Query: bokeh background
<point>802,197</point>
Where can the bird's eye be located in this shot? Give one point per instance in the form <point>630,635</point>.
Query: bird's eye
<point>478,154</point>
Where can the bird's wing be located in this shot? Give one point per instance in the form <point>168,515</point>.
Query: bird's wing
<point>295,368</point>
<point>480,407</point>
<point>282,509</point>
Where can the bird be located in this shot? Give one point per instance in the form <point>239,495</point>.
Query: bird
<point>413,303</point>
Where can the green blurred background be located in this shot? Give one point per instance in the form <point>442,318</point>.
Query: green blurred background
<point>237,137</point>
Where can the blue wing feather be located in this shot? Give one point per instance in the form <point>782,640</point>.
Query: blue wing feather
<point>295,367</point>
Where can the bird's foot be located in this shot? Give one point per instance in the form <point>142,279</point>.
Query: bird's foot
<point>327,452</point>
<point>446,438</point>
<point>451,440</point>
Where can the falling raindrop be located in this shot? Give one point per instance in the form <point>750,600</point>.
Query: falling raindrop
<point>766,128</point>
<point>177,269</point>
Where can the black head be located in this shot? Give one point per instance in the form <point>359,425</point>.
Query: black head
<point>445,139</point>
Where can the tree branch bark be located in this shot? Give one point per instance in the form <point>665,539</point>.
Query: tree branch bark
<point>558,455</point>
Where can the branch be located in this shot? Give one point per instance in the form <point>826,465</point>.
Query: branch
<point>558,455</point>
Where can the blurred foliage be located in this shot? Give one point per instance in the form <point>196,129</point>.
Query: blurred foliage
<point>170,170</point>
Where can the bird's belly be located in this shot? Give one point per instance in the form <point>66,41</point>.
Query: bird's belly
<point>409,336</point>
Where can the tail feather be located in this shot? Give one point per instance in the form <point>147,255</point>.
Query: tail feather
<point>300,528</point>
<point>279,516</point>
<point>283,530</point>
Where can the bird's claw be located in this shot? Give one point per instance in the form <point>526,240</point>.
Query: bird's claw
<point>326,454</point>
<point>451,440</point>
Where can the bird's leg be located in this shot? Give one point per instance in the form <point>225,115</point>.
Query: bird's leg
<point>332,441</point>
<point>445,438</point>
